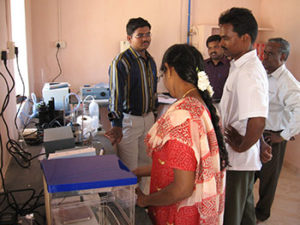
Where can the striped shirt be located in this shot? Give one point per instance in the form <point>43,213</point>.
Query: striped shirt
<point>133,84</point>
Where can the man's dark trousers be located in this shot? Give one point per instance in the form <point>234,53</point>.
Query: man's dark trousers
<point>268,178</point>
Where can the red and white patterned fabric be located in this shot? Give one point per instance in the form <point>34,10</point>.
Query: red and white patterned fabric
<point>184,138</point>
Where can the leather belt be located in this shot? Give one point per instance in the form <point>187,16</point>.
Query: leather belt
<point>139,114</point>
<point>216,100</point>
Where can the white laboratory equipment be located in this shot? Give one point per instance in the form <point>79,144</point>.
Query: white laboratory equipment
<point>58,91</point>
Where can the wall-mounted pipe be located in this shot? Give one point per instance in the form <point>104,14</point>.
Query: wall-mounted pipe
<point>189,18</point>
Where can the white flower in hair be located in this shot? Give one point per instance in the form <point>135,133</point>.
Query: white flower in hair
<point>210,90</point>
<point>203,83</point>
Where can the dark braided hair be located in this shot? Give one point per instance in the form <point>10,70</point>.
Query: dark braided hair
<point>187,60</point>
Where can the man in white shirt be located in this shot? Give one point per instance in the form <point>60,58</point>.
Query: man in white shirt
<point>283,121</point>
<point>244,109</point>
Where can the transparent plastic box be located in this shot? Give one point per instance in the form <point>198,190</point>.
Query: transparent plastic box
<point>89,190</point>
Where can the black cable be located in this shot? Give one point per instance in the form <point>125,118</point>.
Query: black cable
<point>26,135</point>
<point>23,85</point>
<point>12,146</point>
<point>36,156</point>
<point>1,144</point>
<point>55,121</point>
<point>27,207</point>
<point>41,194</point>
<point>30,122</point>
<point>14,205</point>
<point>4,194</point>
<point>17,153</point>
<point>12,79</point>
<point>1,166</point>
<point>52,123</point>
<point>58,63</point>
<point>42,216</point>
<point>22,157</point>
<point>37,139</point>
<point>4,106</point>
<point>6,99</point>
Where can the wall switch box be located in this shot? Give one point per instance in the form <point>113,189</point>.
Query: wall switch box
<point>62,44</point>
<point>124,45</point>
<point>10,50</point>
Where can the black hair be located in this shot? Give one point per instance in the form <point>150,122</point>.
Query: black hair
<point>284,46</point>
<point>187,61</point>
<point>135,23</point>
<point>242,20</point>
<point>213,38</point>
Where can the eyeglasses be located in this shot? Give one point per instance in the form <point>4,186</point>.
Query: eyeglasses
<point>141,35</point>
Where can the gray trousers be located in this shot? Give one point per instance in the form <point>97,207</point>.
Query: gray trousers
<point>268,179</point>
<point>132,148</point>
<point>239,200</point>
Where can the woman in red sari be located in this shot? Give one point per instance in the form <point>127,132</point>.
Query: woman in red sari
<point>187,149</point>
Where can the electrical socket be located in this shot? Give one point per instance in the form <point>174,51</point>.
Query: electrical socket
<point>10,50</point>
<point>4,55</point>
<point>62,44</point>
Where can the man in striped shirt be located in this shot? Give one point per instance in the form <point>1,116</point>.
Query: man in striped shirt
<point>133,100</point>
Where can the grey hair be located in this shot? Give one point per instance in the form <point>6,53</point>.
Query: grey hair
<point>284,46</point>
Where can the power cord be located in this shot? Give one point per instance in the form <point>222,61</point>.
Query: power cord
<point>22,157</point>
<point>12,146</point>
<point>5,102</point>
<point>9,202</point>
<point>6,99</point>
<point>7,198</point>
<point>23,86</point>
<point>58,63</point>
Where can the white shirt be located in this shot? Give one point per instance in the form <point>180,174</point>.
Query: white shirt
<point>245,96</point>
<point>284,106</point>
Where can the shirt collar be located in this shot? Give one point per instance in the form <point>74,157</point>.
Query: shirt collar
<point>277,72</point>
<point>138,55</point>
<point>222,61</point>
<point>244,58</point>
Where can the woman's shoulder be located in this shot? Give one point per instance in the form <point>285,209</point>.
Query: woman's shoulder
<point>189,102</point>
<point>191,105</point>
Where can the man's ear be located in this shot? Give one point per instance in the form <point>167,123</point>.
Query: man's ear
<point>246,37</point>
<point>283,57</point>
<point>168,69</point>
<point>166,65</point>
<point>129,37</point>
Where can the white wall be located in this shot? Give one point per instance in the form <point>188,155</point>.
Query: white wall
<point>11,108</point>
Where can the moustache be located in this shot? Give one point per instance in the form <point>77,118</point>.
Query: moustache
<point>146,42</point>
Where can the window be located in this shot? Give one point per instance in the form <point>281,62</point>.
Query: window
<point>19,37</point>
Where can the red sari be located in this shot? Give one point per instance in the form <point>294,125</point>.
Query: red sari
<point>184,138</point>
